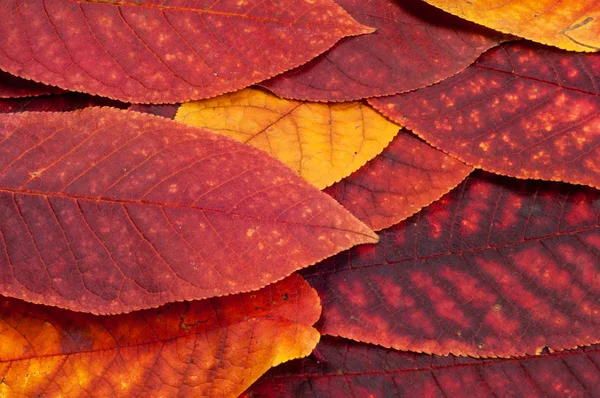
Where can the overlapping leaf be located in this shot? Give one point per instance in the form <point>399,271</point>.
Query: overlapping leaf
<point>323,143</point>
<point>14,87</point>
<point>351,369</point>
<point>109,211</point>
<point>56,103</point>
<point>498,267</point>
<point>414,46</point>
<point>215,347</point>
<point>165,51</point>
<point>407,176</point>
<point>521,110</point>
<point>571,25</point>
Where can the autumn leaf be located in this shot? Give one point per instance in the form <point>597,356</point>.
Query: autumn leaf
<point>109,211</point>
<point>65,102</point>
<point>406,177</point>
<point>215,347</point>
<point>351,369</point>
<point>498,267</point>
<point>323,143</point>
<point>169,110</point>
<point>14,87</point>
<point>415,45</point>
<point>570,25</point>
<point>166,52</point>
<point>522,110</point>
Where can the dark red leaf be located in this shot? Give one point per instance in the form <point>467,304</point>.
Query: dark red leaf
<point>15,87</point>
<point>109,211</point>
<point>415,45</point>
<point>498,267</point>
<point>352,369</point>
<point>56,103</point>
<point>169,111</point>
<point>165,51</point>
<point>522,110</point>
<point>407,176</point>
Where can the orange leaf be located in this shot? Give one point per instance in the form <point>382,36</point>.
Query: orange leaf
<point>165,51</point>
<point>109,211</point>
<point>407,176</point>
<point>570,25</point>
<point>322,142</point>
<point>214,347</point>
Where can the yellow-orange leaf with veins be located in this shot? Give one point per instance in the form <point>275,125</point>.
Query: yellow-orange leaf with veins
<point>215,347</point>
<point>570,25</point>
<point>322,142</point>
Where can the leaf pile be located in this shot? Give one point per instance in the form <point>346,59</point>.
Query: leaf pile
<point>189,192</point>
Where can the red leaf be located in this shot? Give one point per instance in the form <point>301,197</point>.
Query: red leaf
<point>15,87</point>
<point>498,267</point>
<point>109,211</point>
<point>352,369</point>
<point>407,176</point>
<point>523,110</point>
<point>165,51</point>
<point>56,103</point>
<point>168,111</point>
<point>415,45</point>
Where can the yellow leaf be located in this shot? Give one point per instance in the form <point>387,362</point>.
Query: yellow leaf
<point>322,142</point>
<point>570,25</point>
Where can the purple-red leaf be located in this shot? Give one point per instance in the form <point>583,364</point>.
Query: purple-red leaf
<point>415,45</point>
<point>351,369</point>
<point>521,110</point>
<point>110,211</point>
<point>498,267</point>
<point>165,51</point>
<point>56,103</point>
<point>407,176</point>
<point>15,87</point>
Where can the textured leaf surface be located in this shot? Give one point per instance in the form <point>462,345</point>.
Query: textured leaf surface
<point>323,143</point>
<point>521,110</point>
<point>109,211</point>
<point>498,267</point>
<point>14,87</point>
<point>56,103</point>
<point>407,176</point>
<point>165,51</point>
<point>351,369</point>
<point>415,45</point>
<point>571,25</point>
<point>214,347</point>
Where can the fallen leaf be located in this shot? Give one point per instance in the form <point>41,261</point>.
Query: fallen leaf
<point>415,45</point>
<point>56,103</point>
<point>165,51</point>
<point>499,267</point>
<point>15,87</point>
<point>169,111</point>
<point>215,347</point>
<point>323,143</point>
<point>407,176</point>
<point>570,25</point>
<point>522,110</point>
<point>109,211</point>
<point>351,369</point>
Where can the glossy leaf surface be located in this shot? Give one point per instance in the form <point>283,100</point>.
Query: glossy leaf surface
<point>407,176</point>
<point>165,51</point>
<point>498,267</point>
<point>323,143</point>
<point>351,369</point>
<point>522,110</point>
<point>215,347</point>
<point>571,25</point>
<point>415,45</point>
<point>14,87</point>
<point>108,211</point>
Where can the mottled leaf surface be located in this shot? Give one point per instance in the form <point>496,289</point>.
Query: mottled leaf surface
<point>323,143</point>
<point>407,176</point>
<point>522,110</point>
<point>415,45</point>
<point>570,25</point>
<point>108,211</point>
<point>498,267</point>
<point>15,87</point>
<point>215,347</point>
<point>352,369</point>
<point>56,103</point>
<point>165,51</point>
